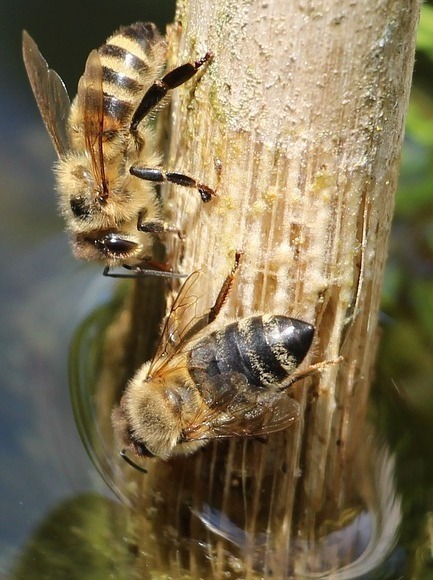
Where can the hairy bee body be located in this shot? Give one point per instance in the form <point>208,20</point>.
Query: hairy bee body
<point>106,152</point>
<point>205,384</point>
<point>130,60</point>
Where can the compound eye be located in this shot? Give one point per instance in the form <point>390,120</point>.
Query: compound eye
<point>116,246</point>
<point>80,208</point>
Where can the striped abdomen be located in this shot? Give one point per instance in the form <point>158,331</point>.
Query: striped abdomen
<point>132,58</point>
<point>265,349</point>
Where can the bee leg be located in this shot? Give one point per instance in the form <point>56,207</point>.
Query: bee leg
<point>158,176</point>
<point>149,268</point>
<point>310,370</point>
<point>160,87</point>
<point>213,312</point>
<point>156,226</point>
<point>225,289</point>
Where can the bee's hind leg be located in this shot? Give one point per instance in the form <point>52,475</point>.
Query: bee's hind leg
<point>160,87</point>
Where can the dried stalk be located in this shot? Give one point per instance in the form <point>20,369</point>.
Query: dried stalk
<point>298,124</point>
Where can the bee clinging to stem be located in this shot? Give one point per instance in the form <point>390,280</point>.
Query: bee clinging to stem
<point>205,384</point>
<point>107,163</point>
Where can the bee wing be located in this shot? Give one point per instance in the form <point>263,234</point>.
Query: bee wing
<point>178,325</point>
<point>91,101</point>
<point>234,408</point>
<point>50,94</point>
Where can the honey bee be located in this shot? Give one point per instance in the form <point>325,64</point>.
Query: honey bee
<point>107,163</point>
<point>206,384</point>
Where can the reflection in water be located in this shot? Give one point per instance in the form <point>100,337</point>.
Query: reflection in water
<point>87,347</point>
<point>367,540</point>
<point>101,362</point>
<point>221,511</point>
<point>82,537</point>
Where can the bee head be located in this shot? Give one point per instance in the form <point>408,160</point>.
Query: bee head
<point>149,417</point>
<point>127,440</point>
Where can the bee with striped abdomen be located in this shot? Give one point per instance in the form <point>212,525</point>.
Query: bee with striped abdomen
<point>107,159</point>
<point>206,384</point>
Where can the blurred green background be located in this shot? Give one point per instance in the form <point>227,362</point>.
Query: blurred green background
<point>402,396</point>
<point>44,293</point>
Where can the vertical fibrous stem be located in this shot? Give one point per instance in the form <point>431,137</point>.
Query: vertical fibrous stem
<point>298,125</point>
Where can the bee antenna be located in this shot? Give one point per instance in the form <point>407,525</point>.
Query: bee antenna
<point>130,462</point>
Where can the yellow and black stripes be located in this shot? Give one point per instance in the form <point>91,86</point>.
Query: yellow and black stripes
<point>131,59</point>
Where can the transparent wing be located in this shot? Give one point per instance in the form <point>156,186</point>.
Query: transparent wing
<point>91,101</point>
<point>50,94</point>
<point>180,325</point>
<point>183,323</point>
<point>234,408</point>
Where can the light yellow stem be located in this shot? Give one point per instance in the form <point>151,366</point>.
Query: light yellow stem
<point>298,125</point>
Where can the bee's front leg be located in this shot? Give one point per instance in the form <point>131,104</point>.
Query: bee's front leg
<point>144,269</point>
